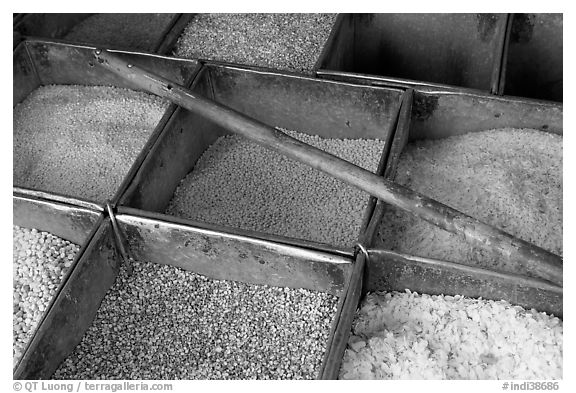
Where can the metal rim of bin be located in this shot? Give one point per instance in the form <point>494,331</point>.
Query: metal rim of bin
<point>162,46</point>
<point>57,205</point>
<point>370,205</point>
<point>501,54</point>
<point>151,140</point>
<point>127,218</point>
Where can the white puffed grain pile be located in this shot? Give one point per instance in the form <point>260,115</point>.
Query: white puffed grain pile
<point>508,178</point>
<point>40,260</point>
<point>167,323</point>
<point>128,31</point>
<point>81,140</point>
<point>240,184</point>
<point>281,41</point>
<point>409,336</point>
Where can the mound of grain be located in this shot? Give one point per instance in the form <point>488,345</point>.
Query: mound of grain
<point>240,184</point>
<point>81,140</point>
<point>508,178</point>
<point>282,41</point>
<point>142,32</point>
<point>40,261</point>
<point>163,322</point>
<point>409,336</point>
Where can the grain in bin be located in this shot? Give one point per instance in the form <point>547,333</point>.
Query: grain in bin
<point>291,42</point>
<point>201,172</point>
<point>77,131</point>
<point>511,176</point>
<point>194,253</point>
<point>47,236</point>
<point>223,305</point>
<point>144,32</point>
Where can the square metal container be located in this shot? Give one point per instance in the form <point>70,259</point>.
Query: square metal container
<point>57,26</point>
<point>69,220</point>
<point>328,109</point>
<point>437,115</point>
<point>534,57</point>
<point>448,50</point>
<point>38,63</point>
<point>149,237</point>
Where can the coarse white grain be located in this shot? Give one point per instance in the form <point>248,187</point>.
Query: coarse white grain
<point>508,178</point>
<point>282,41</point>
<point>240,184</point>
<point>410,336</point>
<point>40,260</point>
<point>127,31</point>
<point>81,140</point>
<point>163,322</point>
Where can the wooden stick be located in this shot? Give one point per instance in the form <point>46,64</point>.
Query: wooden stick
<point>537,261</point>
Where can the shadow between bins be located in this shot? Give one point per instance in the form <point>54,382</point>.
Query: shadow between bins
<point>451,50</point>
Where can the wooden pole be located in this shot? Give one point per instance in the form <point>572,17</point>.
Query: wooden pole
<point>537,261</point>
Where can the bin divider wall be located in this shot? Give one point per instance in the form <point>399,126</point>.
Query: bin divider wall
<point>170,38</point>
<point>73,223</point>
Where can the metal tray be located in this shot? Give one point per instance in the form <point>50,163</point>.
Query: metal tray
<point>56,26</point>
<point>534,57</point>
<point>440,115</point>
<point>448,50</point>
<point>327,109</point>
<point>38,62</point>
<point>218,255</point>
<point>66,219</point>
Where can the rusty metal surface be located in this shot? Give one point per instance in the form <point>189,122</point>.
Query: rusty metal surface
<point>391,271</point>
<point>228,256</point>
<point>448,49</point>
<point>308,105</point>
<point>535,54</point>
<point>49,25</point>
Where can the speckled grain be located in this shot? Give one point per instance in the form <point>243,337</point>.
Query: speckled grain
<point>81,140</point>
<point>508,178</point>
<point>163,322</point>
<point>282,41</point>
